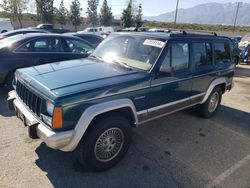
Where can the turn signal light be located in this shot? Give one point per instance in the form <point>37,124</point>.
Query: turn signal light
<point>57,118</point>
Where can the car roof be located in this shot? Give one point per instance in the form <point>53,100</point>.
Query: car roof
<point>82,34</point>
<point>24,30</point>
<point>175,34</point>
<point>33,35</point>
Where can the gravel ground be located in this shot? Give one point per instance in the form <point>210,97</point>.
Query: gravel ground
<point>180,150</point>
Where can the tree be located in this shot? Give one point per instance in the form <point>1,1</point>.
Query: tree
<point>15,9</point>
<point>75,13</point>
<point>62,14</point>
<point>92,12</point>
<point>138,17</point>
<point>45,10</point>
<point>106,16</point>
<point>127,18</point>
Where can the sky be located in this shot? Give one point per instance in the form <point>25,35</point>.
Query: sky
<point>150,8</point>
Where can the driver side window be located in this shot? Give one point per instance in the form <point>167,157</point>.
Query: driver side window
<point>177,57</point>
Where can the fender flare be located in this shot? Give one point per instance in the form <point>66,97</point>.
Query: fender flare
<point>93,111</point>
<point>213,84</point>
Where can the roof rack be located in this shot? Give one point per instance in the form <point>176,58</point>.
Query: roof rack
<point>189,31</point>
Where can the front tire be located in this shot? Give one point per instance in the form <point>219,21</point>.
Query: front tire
<point>105,144</point>
<point>210,107</point>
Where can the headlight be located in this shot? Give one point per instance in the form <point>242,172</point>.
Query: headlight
<point>50,108</point>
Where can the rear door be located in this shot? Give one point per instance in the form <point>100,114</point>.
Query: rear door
<point>44,50</point>
<point>203,68</point>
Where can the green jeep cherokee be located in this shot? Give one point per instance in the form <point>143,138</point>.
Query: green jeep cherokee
<point>90,105</point>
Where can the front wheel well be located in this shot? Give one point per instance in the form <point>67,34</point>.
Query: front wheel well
<point>125,112</point>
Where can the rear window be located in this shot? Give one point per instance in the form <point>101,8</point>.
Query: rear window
<point>222,52</point>
<point>7,42</point>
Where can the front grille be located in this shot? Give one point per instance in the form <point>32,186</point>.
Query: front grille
<point>29,98</point>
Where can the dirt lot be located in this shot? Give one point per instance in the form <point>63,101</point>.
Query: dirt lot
<point>180,150</point>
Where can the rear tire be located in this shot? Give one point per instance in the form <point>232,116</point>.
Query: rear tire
<point>105,143</point>
<point>210,107</point>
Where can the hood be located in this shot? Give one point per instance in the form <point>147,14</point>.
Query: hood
<point>74,76</point>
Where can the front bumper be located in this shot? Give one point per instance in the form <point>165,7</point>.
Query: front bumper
<point>55,140</point>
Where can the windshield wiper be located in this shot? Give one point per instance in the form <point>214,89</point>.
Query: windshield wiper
<point>122,64</point>
<point>96,57</point>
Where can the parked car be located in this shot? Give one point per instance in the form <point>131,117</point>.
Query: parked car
<point>5,25</point>
<point>95,40</point>
<point>50,28</point>
<point>34,49</point>
<point>158,30</point>
<point>236,50</point>
<point>131,78</point>
<point>102,29</point>
<point>245,40</point>
<point>91,30</point>
<point>21,31</point>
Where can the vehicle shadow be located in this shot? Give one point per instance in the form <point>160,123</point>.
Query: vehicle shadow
<point>230,117</point>
<point>147,164</point>
<point>63,170</point>
<point>4,111</point>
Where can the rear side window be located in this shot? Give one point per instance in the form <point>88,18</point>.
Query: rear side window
<point>202,54</point>
<point>222,52</point>
<point>42,45</point>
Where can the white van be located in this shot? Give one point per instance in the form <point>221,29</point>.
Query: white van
<point>5,25</point>
<point>104,29</point>
<point>100,31</point>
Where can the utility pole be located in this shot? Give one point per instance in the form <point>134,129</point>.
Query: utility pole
<point>176,11</point>
<point>236,15</point>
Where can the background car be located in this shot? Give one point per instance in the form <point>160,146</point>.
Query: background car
<point>34,49</point>
<point>21,31</point>
<point>50,28</point>
<point>236,49</point>
<point>95,40</point>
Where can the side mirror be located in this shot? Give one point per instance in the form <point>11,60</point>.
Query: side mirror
<point>166,70</point>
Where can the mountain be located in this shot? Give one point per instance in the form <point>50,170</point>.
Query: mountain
<point>209,13</point>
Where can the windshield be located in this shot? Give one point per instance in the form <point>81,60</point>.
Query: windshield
<point>138,52</point>
<point>7,42</point>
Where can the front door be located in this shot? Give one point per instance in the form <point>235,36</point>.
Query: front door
<point>171,90</point>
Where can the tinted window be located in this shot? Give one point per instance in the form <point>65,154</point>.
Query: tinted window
<point>94,40</point>
<point>42,45</point>
<point>77,46</point>
<point>222,53</point>
<point>202,54</point>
